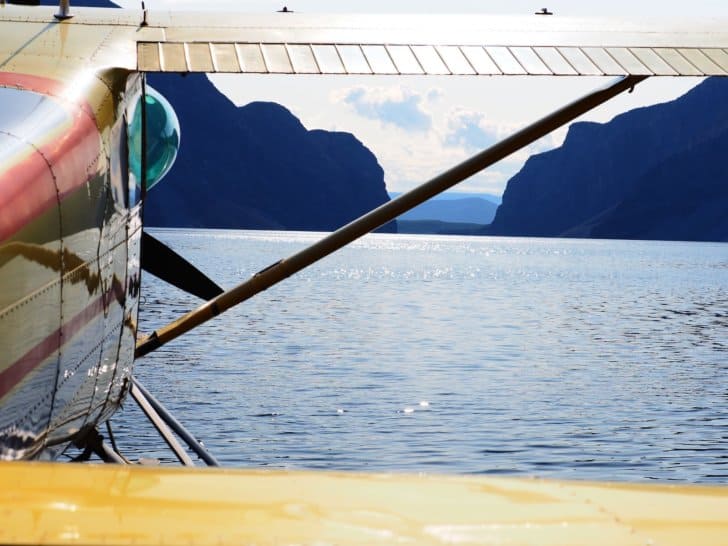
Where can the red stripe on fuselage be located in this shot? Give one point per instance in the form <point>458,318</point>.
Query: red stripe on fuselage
<point>42,86</point>
<point>22,201</point>
<point>16,372</point>
<point>55,168</point>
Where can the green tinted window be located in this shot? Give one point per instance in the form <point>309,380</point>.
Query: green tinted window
<point>163,137</point>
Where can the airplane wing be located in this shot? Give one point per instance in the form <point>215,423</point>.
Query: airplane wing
<point>434,45</point>
<point>294,43</point>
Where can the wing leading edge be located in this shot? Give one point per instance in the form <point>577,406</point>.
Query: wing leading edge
<point>294,43</point>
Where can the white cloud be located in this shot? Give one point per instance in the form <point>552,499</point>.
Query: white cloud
<point>396,105</point>
<point>455,135</point>
<point>469,130</point>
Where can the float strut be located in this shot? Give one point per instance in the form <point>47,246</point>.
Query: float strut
<point>93,443</point>
<point>160,425</point>
<point>163,421</point>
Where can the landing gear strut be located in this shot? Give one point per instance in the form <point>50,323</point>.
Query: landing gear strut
<point>92,442</point>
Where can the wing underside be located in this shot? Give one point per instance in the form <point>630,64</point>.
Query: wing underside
<point>488,45</point>
<point>413,59</point>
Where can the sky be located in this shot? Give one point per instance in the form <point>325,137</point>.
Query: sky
<point>419,126</point>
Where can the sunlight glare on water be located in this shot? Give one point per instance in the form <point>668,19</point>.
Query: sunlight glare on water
<point>561,358</point>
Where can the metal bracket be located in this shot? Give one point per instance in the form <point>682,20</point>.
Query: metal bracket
<point>64,10</point>
<point>92,443</point>
<point>144,16</point>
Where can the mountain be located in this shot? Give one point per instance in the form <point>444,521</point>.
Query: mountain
<point>651,173</point>
<point>473,210</point>
<point>437,227</point>
<point>450,213</point>
<point>469,210</point>
<point>455,195</point>
<point>257,166</point>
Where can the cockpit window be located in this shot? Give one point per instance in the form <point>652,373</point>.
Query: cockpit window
<point>163,138</point>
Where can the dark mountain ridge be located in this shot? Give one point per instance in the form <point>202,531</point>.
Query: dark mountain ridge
<point>654,172</point>
<point>258,167</point>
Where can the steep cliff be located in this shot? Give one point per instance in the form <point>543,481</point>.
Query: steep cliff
<point>655,172</point>
<point>257,166</point>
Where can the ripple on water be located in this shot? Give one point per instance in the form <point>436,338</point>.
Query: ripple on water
<point>562,358</point>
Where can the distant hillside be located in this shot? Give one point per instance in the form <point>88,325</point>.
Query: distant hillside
<point>451,195</point>
<point>473,210</point>
<point>654,173</point>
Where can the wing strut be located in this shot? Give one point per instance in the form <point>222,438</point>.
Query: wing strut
<point>389,211</point>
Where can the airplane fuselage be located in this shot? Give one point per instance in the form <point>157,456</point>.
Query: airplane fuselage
<point>70,232</point>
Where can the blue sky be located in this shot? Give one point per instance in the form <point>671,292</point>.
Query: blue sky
<point>394,106</point>
<point>418,126</point>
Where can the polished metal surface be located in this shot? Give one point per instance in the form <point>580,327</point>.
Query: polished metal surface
<point>370,44</point>
<point>69,244</point>
<point>30,268</point>
<point>420,29</point>
<point>441,44</point>
<point>441,29</point>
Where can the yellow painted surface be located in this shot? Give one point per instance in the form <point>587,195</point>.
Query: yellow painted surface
<point>44,503</point>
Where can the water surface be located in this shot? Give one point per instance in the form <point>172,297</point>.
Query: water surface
<point>550,357</point>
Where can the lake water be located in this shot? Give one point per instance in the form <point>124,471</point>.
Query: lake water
<point>550,357</point>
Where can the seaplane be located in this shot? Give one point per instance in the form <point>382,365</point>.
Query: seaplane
<point>82,141</point>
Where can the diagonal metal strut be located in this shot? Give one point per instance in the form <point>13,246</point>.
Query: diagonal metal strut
<point>278,271</point>
<point>163,420</point>
<point>160,425</point>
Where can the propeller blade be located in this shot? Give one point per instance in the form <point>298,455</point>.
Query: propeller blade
<point>163,262</point>
<point>385,213</point>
